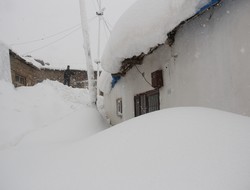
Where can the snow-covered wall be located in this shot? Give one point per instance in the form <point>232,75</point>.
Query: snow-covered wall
<point>145,25</point>
<point>5,73</point>
<point>208,65</point>
<point>213,64</point>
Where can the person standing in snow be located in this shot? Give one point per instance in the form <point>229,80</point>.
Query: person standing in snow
<point>67,75</point>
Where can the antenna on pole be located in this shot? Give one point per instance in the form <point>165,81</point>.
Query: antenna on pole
<point>93,89</point>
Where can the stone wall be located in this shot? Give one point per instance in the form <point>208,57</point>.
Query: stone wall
<point>26,74</point>
<point>22,73</point>
<point>77,80</point>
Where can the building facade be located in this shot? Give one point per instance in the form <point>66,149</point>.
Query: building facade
<point>205,65</point>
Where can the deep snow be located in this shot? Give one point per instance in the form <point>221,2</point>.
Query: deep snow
<point>4,63</point>
<point>31,110</point>
<point>188,148</point>
<point>50,138</point>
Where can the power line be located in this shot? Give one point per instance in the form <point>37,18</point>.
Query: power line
<point>106,25</point>
<point>110,25</point>
<point>106,32</point>
<point>143,75</point>
<point>53,41</point>
<point>94,4</point>
<point>46,37</point>
<point>99,4</point>
<point>50,36</point>
<point>76,27</point>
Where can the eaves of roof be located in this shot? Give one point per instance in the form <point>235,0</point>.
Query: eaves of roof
<point>129,63</point>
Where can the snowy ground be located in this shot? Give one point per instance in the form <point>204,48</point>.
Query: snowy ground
<point>44,110</point>
<point>51,139</point>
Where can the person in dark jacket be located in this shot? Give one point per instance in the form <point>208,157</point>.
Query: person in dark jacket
<point>67,75</point>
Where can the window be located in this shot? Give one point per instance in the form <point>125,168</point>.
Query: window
<point>20,80</point>
<point>119,107</point>
<point>146,102</point>
<point>157,79</point>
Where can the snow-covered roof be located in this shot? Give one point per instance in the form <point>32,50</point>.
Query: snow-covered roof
<point>40,64</point>
<point>104,82</point>
<point>27,59</point>
<point>32,61</point>
<point>145,25</point>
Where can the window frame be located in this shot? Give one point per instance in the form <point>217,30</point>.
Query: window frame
<point>142,104</point>
<point>119,110</point>
<point>19,79</point>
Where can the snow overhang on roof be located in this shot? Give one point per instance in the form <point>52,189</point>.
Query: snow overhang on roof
<point>22,59</point>
<point>144,27</point>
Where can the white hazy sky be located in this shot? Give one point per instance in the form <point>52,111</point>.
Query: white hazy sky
<point>53,27</point>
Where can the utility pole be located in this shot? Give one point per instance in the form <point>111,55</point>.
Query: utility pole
<point>87,50</point>
<point>98,60</point>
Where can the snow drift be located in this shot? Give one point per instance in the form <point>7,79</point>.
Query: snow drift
<point>25,110</point>
<point>181,148</point>
<point>4,63</point>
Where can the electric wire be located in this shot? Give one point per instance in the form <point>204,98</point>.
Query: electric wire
<point>53,41</point>
<point>31,51</point>
<point>142,74</point>
<point>106,32</point>
<point>110,25</point>
<point>94,5</point>
<point>99,4</point>
<point>51,36</point>
<point>106,25</point>
<point>73,28</point>
<point>46,37</point>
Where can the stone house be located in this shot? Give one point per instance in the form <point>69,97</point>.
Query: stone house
<point>25,73</point>
<point>22,72</point>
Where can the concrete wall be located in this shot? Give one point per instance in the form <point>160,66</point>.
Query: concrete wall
<point>208,65</point>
